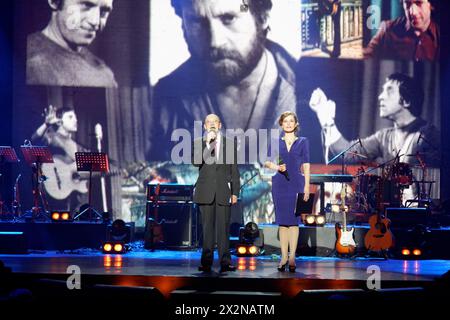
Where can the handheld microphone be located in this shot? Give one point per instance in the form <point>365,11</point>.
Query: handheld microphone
<point>285,173</point>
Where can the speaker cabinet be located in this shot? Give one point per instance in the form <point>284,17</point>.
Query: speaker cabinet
<point>407,217</point>
<point>170,224</point>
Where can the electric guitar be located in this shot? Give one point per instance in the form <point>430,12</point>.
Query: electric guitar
<point>155,233</point>
<point>379,237</point>
<point>345,241</point>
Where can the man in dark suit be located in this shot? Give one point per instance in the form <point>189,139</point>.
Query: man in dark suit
<point>216,190</point>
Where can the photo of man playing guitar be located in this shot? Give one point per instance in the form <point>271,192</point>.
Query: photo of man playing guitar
<point>65,188</point>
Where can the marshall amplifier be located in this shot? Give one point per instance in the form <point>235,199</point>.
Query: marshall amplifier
<point>171,216</point>
<point>169,192</point>
<point>170,224</point>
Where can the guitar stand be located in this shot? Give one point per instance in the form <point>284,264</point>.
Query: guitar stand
<point>384,254</point>
<point>344,256</point>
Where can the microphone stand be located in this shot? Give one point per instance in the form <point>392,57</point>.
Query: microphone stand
<point>342,154</point>
<point>381,165</point>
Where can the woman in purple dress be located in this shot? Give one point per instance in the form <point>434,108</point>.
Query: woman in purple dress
<point>292,177</point>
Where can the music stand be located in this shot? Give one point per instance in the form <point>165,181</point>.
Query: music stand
<point>91,162</point>
<point>7,154</point>
<point>35,156</point>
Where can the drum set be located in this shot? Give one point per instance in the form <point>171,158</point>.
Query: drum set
<point>386,185</point>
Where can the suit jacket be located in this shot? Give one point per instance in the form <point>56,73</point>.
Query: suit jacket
<point>217,179</point>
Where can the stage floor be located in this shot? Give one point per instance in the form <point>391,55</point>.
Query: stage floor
<point>168,281</point>
<point>185,263</point>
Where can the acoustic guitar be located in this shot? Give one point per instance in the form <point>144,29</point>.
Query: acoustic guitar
<point>379,238</point>
<point>62,178</point>
<point>345,240</point>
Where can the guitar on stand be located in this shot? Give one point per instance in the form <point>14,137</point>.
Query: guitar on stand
<point>155,226</point>
<point>379,238</point>
<point>99,137</point>
<point>345,240</point>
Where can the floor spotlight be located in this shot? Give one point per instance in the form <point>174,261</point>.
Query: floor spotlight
<point>114,247</point>
<point>241,249</point>
<point>247,250</point>
<point>406,252</point>
<point>251,240</point>
<point>253,250</point>
<point>310,220</point>
<point>61,216</point>
<point>316,220</point>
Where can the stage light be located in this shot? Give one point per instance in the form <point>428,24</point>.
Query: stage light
<point>65,216</point>
<point>251,240</point>
<point>119,231</point>
<point>417,252</point>
<point>242,250</point>
<point>320,220</point>
<point>114,247</point>
<point>310,219</point>
<point>335,208</point>
<point>61,216</point>
<point>406,252</point>
<point>247,250</point>
<point>253,250</point>
<point>315,220</point>
<point>251,232</point>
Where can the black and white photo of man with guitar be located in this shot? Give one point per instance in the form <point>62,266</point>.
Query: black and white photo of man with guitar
<point>65,188</point>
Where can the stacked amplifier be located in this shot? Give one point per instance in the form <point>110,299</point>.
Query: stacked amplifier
<point>171,216</point>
